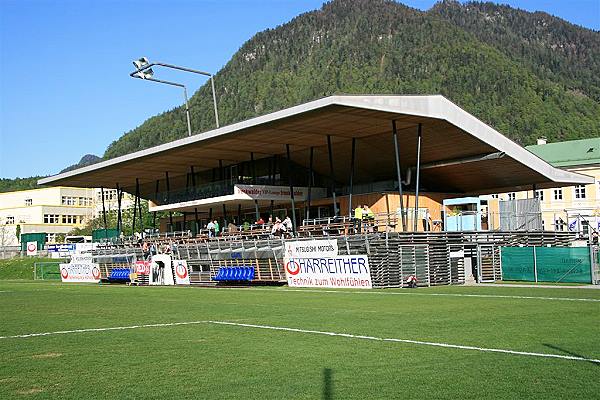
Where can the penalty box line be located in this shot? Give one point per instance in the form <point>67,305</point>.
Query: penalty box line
<point>314,332</point>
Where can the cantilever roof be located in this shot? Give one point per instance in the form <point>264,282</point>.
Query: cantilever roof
<point>456,148</point>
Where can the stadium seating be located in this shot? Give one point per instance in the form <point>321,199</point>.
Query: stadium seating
<point>119,275</point>
<point>234,274</point>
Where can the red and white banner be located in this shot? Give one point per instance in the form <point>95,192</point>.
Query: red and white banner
<point>80,272</point>
<point>329,272</point>
<point>142,267</point>
<point>32,248</point>
<point>182,274</point>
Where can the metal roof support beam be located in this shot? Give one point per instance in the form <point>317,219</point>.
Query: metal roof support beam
<point>156,197</point>
<point>399,174</point>
<point>353,155</point>
<point>104,213</point>
<point>464,160</point>
<point>137,189</point>
<point>311,178</point>
<point>289,172</point>
<point>169,199</point>
<point>417,182</point>
<point>332,174</point>
<point>119,215</point>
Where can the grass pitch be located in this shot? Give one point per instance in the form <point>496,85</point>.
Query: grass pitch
<point>207,360</point>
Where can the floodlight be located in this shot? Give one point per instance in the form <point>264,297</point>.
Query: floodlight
<point>148,73</point>
<point>141,62</point>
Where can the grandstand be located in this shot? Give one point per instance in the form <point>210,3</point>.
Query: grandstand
<point>317,162</point>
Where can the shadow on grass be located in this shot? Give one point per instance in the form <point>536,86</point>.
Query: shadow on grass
<point>569,353</point>
<point>327,384</point>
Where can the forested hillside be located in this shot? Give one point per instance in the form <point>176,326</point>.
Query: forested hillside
<point>526,74</point>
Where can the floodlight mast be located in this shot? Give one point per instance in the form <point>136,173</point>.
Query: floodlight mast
<point>144,71</point>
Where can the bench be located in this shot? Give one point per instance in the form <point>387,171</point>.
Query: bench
<point>119,275</point>
<point>234,274</point>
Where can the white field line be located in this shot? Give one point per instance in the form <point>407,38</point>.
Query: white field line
<point>307,331</point>
<point>410,293</point>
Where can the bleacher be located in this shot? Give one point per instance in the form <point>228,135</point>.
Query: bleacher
<point>392,255</point>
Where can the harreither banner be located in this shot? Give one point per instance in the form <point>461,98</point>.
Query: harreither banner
<point>328,272</point>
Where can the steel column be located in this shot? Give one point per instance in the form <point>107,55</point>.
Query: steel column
<point>332,174</point>
<point>104,213</point>
<point>169,199</point>
<point>353,154</point>
<point>137,189</point>
<point>418,167</point>
<point>399,175</point>
<point>310,181</point>
<point>289,172</point>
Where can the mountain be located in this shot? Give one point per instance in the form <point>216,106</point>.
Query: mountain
<point>526,74</point>
<point>86,160</point>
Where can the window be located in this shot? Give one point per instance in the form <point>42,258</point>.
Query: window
<point>580,192</point>
<point>69,219</point>
<point>494,196</point>
<point>539,194</point>
<point>512,196</point>
<point>28,202</point>
<point>543,225</point>
<point>51,219</point>
<point>68,201</point>
<point>559,224</point>
<point>558,195</point>
<point>10,220</point>
<point>85,201</point>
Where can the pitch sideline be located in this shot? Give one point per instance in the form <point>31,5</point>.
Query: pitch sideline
<point>307,331</point>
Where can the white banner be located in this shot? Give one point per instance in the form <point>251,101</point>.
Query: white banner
<point>265,192</point>
<point>322,248</point>
<point>333,272</point>
<point>80,272</point>
<point>182,275</point>
<point>32,248</point>
<point>160,270</point>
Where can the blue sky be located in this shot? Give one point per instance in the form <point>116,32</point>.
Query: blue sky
<point>64,65</point>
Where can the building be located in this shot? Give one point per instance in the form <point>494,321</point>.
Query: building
<point>323,158</point>
<point>54,210</point>
<point>575,208</point>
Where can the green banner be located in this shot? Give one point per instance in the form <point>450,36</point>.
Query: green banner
<point>517,264</point>
<point>554,264</point>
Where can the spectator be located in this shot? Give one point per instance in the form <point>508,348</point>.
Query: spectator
<point>145,250</point>
<point>217,227</point>
<point>211,229</point>
<point>287,223</point>
<point>278,228</point>
<point>260,221</point>
<point>358,216</point>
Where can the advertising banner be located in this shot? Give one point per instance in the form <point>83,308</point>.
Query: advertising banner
<point>32,248</point>
<point>160,270</point>
<point>80,272</point>
<point>182,275</point>
<point>142,267</point>
<point>265,192</point>
<point>311,248</point>
<point>329,272</point>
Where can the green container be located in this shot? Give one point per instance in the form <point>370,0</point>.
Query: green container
<point>101,235</point>
<point>40,238</point>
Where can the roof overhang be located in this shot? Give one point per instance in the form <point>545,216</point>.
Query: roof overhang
<point>461,154</point>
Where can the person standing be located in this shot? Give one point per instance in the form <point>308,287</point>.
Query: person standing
<point>217,227</point>
<point>211,229</point>
<point>358,216</point>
